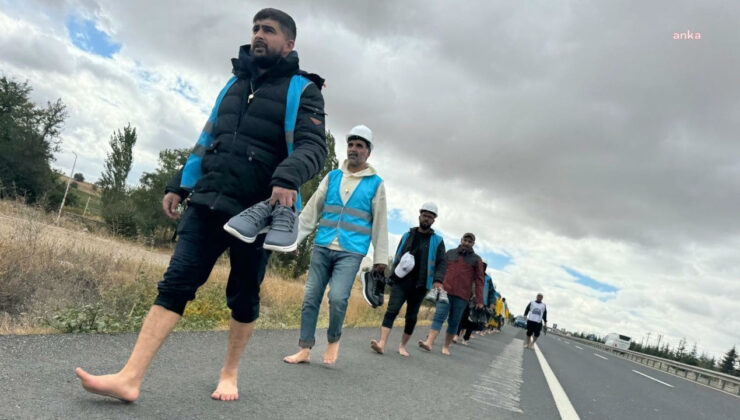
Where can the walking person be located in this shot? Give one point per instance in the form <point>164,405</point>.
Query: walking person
<point>463,273</point>
<point>222,180</point>
<point>424,251</point>
<point>349,208</point>
<point>536,313</point>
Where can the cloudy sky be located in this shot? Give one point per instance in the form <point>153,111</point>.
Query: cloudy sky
<point>596,158</point>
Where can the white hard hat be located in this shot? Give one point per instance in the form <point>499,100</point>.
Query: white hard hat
<point>430,207</point>
<point>363,132</point>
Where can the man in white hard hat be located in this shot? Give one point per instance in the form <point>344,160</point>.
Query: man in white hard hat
<point>349,209</point>
<point>417,264</point>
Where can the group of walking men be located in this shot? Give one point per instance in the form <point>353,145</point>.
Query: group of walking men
<point>264,138</point>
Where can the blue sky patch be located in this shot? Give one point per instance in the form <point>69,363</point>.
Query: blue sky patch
<point>186,90</point>
<point>85,36</point>
<point>396,224</point>
<point>589,282</point>
<point>495,261</point>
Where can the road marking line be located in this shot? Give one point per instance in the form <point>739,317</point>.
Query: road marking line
<point>567,412</point>
<point>598,355</point>
<point>580,348</point>
<point>650,377</point>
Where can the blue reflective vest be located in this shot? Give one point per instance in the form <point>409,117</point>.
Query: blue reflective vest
<point>431,260</point>
<point>351,222</point>
<point>487,286</point>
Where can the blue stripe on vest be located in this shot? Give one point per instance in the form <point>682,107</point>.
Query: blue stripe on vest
<point>193,170</point>
<point>353,232</point>
<point>297,85</point>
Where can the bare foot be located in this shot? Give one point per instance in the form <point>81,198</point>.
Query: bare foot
<point>454,339</point>
<point>109,385</point>
<point>226,389</point>
<point>330,354</point>
<point>425,346</point>
<point>402,351</point>
<point>302,356</point>
<point>464,343</point>
<point>377,347</point>
<point>445,351</point>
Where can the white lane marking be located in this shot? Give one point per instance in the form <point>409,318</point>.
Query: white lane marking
<point>579,348</point>
<point>491,390</point>
<point>567,412</point>
<point>650,377</point>
<point>566,342</point>
<point>598,355</point>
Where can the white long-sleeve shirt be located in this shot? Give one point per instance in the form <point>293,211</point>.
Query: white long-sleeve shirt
<point>311,214</point>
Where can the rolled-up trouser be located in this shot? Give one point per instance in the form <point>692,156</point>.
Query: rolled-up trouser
<point>202,240</point>
<point>451,311</point>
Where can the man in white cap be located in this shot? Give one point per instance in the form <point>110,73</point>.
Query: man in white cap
<point>349,208</point>
<point>416,266</point>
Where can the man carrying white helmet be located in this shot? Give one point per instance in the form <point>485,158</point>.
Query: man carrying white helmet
<point>349,209</point>
<point>417,265</point>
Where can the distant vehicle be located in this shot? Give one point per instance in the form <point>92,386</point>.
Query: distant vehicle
<point>591,337</point>
<point>618,341</point>
<point>520,322</point>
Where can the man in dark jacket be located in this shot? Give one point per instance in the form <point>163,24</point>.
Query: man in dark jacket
<point>241,158</point>
<point>428,250</point>
<point>463,272</point>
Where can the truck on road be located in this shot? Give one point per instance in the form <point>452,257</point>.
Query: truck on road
<point>618,341</point>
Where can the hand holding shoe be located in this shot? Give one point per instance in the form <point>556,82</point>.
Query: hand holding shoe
<point>285,196</point>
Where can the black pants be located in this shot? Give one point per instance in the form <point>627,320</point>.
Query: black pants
<point>202,240</point>
<point>400,293</point>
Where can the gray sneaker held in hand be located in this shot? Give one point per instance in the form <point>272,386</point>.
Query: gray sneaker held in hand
<point>283,234</point>
<point>251,222</point>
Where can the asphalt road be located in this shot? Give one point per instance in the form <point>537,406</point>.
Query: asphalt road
<point>492,378</point>
<point>601,385</point>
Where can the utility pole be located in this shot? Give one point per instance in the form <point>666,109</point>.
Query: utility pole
<point>69,181</point>
<point>86,204</point>
<point>648,340</point>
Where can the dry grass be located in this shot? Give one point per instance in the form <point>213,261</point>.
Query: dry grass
<point>66,279</point>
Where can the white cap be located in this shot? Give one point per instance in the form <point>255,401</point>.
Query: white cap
<point>363,132</point>
<point>405,265</point>
<point>430,207</point>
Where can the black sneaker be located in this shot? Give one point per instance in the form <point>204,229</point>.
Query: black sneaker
<point>370,280</point>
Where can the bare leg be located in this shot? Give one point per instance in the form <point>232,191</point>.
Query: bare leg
<point>125,384</point>
<point>427,345</point>
<point>526,342</point>
<point>402,347</point>
<point>534,340</point>
<point>239,334</point>
<point>446,347</point>
<point>379,346</point>
<point>331,352</point>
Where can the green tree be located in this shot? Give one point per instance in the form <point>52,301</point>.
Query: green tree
<point>118,208</point>
<point>727,365</point>
<point>29,136</point>
<point>79,177</point>
<point>150,219</point>
<point>295,266</point>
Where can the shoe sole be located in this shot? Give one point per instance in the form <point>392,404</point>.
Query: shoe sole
<point>236,234</point>
<point>279,248</point>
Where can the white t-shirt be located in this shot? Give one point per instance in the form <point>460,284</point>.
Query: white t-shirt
<point>536,311</point>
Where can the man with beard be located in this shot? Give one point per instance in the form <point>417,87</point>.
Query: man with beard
<point>463,271</point>
<point>349,209</point>
<point>428,250</point>
<point>241,158</point>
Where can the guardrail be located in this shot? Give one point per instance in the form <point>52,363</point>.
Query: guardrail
<point>723,382</point>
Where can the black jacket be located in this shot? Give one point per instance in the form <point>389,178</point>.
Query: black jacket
<point>248,155</point>
<point>418,245</point>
